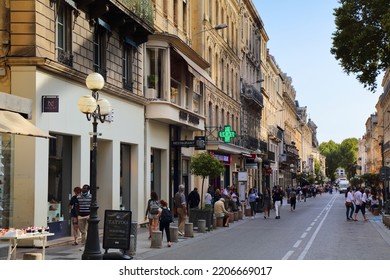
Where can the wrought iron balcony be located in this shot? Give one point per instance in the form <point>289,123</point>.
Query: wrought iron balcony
<point>251,93</point>
<point>132,18</point>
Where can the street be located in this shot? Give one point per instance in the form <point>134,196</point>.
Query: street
<point>316,230</point>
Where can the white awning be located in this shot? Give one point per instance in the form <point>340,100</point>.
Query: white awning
<point>14,123</point>
<point>194,68</point>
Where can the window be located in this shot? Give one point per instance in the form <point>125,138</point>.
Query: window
<point>210,116</point>
<point>64,34</point>
<point>100,46</point>
<point>175,16</point>
<point>175,92</point>
<point>198,97</point>
<point>129,52</point>
<point>154,80</point>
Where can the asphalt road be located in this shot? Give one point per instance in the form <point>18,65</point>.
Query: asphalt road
<point>316,230</point>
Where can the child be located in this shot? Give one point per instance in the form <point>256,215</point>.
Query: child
<point>165,220</point>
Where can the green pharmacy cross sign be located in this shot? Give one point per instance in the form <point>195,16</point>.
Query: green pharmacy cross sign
<point>226,134</point>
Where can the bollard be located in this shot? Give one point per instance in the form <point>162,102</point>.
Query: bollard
<point>231,217</point>
<point>132,245</point>
<point>219,222</point>
<point>174,233</point>
<point>202,226</point>
<point>189,230</point>
<point>235,216</point>
<point>214,222</point>
<point>240,214</point>
<point>156,241</point>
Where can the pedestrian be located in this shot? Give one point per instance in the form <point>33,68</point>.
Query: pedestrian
<point>267,203</point>
<point>180,204</point>
<point>74,210</point>
<point>252,202</point>
<point>152,211</point>
<point>193,199</point>
<point>208,199</point>
<point>84,199</point>
<point>358,204</point>
<point>166,219</point>
<point>221,212</point>
<point>349,203</point>
<point>217,196</point>
<point>364,203</point>
<point>278,201</point>
<point>293,199</point>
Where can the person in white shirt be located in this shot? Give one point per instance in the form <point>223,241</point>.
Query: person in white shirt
<point>364,203</point>
<point>358,203</point>
<point>349,203</point>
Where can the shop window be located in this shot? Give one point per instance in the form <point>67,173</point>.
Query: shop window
<point>6,147</point>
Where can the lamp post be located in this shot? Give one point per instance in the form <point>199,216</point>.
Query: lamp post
<point>259,161</point>
<point>95,109</point>
<point>217,27</point>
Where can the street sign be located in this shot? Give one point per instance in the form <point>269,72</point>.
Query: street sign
<point>199,143</point>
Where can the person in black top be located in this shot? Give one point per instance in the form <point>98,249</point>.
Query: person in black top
<point>74,206</point>
<point>193,199</point>
<point>278,199</point>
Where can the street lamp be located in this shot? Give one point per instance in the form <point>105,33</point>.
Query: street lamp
<point>94,108</point>
<point>217,27</point>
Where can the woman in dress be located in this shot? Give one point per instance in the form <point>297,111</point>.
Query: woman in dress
<point>267,203</point>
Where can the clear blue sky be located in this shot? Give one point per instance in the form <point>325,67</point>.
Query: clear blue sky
<point>300,38</point>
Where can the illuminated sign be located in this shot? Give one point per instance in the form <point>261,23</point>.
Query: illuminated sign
<point>227,134</point>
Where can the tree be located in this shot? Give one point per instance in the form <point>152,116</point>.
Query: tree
<point>205,165</point>
<point>361,41</point>
<point>340,155</point>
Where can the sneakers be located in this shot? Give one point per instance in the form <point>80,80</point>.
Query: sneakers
<point>180,233</point>
<point>169,244</point>
<point>253,217</point>
<point>81,248</point>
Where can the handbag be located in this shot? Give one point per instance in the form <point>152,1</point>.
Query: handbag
<point>347,203</point>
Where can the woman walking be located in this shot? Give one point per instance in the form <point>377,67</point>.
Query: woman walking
<point>267,203</point>
<point>252,202</point>
<point>166,219</point>
<point>349,204</point>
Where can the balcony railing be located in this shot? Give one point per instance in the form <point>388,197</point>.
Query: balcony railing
<point>142,8</point>
<point>251,93</point>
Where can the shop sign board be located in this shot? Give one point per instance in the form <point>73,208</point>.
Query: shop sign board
<point>116,234</point>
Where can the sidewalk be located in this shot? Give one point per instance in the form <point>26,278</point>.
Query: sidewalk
<point>62,248</point>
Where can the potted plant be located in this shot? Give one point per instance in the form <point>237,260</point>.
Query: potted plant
<point>204,165</point>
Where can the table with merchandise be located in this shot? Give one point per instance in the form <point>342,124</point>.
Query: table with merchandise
<point>14,236</point>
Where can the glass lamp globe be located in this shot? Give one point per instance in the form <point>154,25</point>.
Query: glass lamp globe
<point>105,106</point>
<point>94,81</point>
<point>87,104</point>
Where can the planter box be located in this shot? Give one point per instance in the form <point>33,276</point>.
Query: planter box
<point>201,214</point>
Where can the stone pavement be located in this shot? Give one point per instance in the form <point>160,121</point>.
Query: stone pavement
<point>62,248</point>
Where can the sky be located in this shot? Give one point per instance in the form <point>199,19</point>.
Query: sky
<point>300,39</point>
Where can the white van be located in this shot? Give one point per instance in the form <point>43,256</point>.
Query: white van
<point>343,185</point>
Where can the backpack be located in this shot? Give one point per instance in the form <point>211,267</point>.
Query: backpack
<point>154,207</point>
<point>166,216</point>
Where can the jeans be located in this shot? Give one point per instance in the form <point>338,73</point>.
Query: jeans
<point>350,210</point>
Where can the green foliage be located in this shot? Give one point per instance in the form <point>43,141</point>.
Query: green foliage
<point>361,41</point>
<point>371,180</point>
<point>205,165</point>
<point>340,155</point>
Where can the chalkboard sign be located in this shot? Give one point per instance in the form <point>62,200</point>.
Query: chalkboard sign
<point>117,224</point>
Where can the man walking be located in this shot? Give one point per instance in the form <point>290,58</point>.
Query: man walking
<point>180,204</point>
<point>84,211</point>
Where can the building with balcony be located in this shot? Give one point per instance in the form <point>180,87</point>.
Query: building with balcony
<point>48,49</point>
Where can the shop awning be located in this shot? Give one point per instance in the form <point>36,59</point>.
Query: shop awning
<point>195,69</point>
<point>14,123</point>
